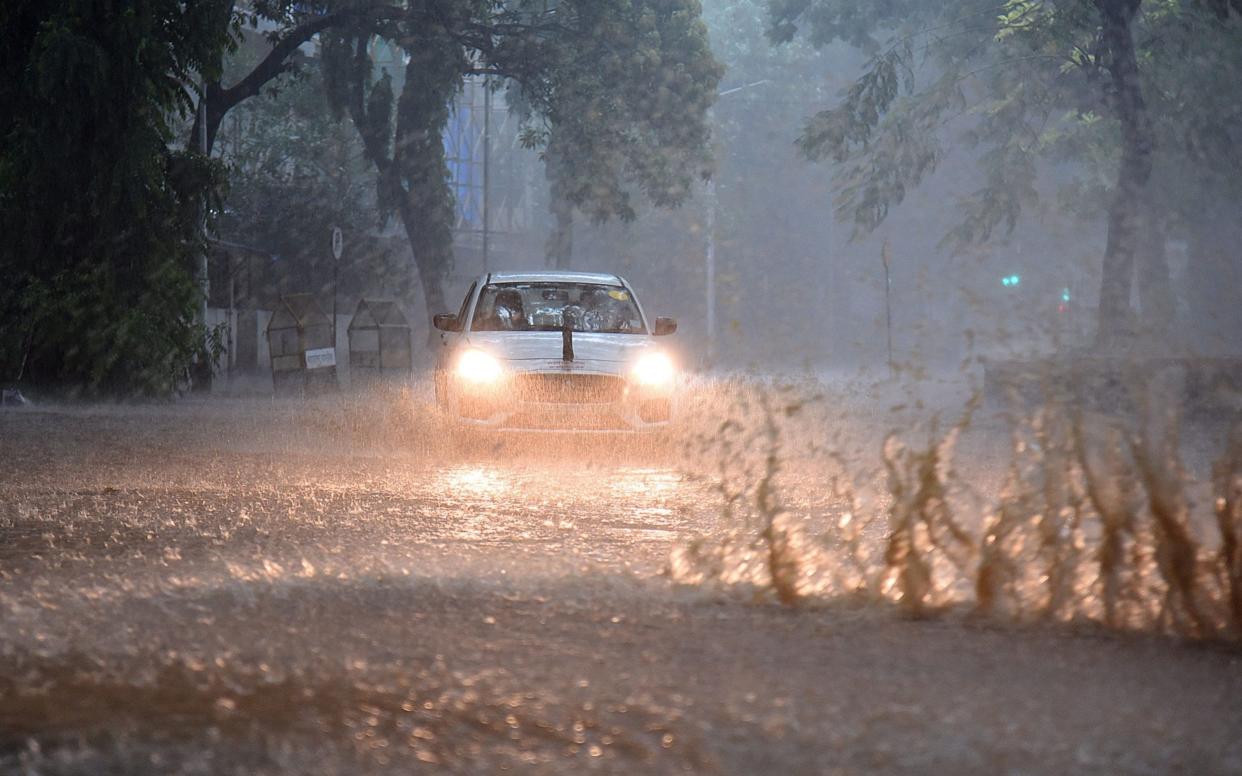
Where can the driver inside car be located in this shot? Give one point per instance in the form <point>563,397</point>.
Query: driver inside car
<point>594,315</point>
<point>601,313</point>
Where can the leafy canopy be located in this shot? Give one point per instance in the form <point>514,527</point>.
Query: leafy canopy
<point>623,93</point>
<point>101,219</point>
<point>1020,81</point>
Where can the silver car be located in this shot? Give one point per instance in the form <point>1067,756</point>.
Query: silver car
<point>554,351</point>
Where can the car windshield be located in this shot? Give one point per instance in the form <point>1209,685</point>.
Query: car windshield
<point>587,307</point>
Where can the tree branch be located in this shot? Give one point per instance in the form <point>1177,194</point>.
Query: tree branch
<point>221,100</point>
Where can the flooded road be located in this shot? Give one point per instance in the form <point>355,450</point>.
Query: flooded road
<point>248,587</point>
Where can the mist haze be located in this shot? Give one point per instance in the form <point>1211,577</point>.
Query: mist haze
<point>742,386</point>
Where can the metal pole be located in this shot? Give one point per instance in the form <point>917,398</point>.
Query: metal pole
<point>886,258</point>
<point>710,259</point>
<point>487,148</point>
<point>710,270</point>
<point>335,268</point>
<point>231,358</point>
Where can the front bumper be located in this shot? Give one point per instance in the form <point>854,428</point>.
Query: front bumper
<point>563,400</point>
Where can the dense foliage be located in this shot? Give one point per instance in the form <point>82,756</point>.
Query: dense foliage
<point>617,91</point>
<point>1118,87</point>
<point>103,213</point>
<point>633,120</point>
<point>294,173</point>
<point>100,217</point>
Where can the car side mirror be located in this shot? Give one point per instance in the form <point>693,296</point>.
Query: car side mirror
<point>665,326</point>
<point>446,322</point>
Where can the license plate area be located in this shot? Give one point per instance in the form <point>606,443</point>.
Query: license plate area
<point>568,388</point>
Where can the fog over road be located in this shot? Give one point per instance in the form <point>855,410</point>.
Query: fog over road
<point>248,587</point>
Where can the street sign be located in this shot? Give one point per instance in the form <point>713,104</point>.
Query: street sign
<point>338,243</point>
<point>320,358</point>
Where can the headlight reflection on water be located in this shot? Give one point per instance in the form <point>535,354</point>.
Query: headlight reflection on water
<point>477,481</point>
<point>640,482</point>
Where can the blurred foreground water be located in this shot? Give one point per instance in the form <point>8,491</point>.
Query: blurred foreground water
<point>338,587</point>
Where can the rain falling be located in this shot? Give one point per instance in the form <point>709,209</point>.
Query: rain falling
<point>620,386</point>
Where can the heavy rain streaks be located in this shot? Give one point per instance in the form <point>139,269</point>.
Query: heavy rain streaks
<point>658,386</point>
<point>184,597</point>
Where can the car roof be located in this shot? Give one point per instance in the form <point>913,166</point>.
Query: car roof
<point>555,276</point>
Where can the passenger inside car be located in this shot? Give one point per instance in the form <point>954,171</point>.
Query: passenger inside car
<point>507,313</point>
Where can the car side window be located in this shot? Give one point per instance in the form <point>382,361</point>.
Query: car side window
<point>465,307</point>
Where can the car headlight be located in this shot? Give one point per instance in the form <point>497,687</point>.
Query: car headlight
<point>478,367</point>
<point>654,369</point>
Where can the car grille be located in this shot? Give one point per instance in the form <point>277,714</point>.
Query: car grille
<point>537,421</point>
<point>570,388</point>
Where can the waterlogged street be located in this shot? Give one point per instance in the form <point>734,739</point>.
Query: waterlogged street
<point>228,586</point>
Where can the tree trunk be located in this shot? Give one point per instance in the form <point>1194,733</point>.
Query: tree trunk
<point>560,246</point>
<point>1130,212</point>
<point>432,78</point>
<point>220,100</point>
<point>559,249</point>
<point>431,255</point>
<point>1155,288</point>
<point>427,248</point>
<point>414,179</point>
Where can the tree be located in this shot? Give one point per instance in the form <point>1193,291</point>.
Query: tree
<point>295,26</point>
<point>646,132</point>
<point>412,177</point>
<point>1192,63</point>
<point>1043,80</point>
<point>102,219</point>
<point>293,173</point>
<point>622,88</point>
<point>632,121</point>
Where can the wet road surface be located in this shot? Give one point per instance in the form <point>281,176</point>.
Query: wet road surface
<point>247,587</point>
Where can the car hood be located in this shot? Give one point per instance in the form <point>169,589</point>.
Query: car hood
<point>546,346</point>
